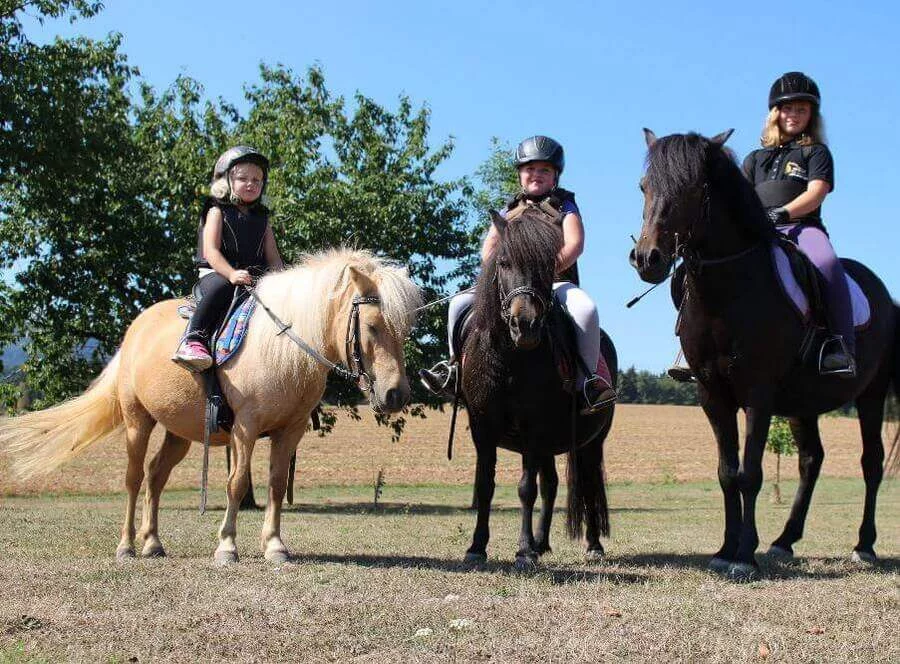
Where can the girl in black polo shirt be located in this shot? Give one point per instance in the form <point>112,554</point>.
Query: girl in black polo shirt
<point>793,173</point>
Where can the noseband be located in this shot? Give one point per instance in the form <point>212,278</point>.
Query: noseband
<point>507,298</point>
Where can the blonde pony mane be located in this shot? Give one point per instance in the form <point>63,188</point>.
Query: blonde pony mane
<point>301,296</point>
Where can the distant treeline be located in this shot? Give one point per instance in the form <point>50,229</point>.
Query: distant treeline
<point>647,387</point>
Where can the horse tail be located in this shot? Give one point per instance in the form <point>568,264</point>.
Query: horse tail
<point>587,489</point>
<point>892,461</point>
<point>42,440</point>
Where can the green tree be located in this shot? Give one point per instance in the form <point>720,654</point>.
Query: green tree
<point>780,441</point>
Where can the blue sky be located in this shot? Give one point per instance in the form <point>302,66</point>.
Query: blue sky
<point>590,74</point>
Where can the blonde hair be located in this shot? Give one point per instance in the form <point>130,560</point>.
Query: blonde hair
<point>220,190</point>
<point>813,134</point>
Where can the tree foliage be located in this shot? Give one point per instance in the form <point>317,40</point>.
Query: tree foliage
<point>100,190</point>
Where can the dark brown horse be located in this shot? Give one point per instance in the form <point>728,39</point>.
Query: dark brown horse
<point>742,339</point>
<point>517,399</point>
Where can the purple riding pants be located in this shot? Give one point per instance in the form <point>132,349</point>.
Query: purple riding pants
<point>814,243</point>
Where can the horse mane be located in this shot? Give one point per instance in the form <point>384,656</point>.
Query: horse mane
<point>529,242</point>
<point>680,161</point>
<point>303,294</point>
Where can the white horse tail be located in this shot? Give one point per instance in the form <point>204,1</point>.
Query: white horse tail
<point>40,441</point>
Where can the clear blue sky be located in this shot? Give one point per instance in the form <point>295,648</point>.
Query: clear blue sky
<point>590,74</point>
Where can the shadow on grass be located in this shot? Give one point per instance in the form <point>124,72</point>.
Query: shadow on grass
<point>801,567</point>
<point>556,575</point>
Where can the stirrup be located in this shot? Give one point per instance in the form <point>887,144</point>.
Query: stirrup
<point>681,372</point>
<point>441,379</point>
<point>847,371</point>
<point>604,396</point>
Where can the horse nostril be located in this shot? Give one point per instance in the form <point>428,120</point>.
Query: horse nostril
<point>655,258</point>
<point>395,399</point>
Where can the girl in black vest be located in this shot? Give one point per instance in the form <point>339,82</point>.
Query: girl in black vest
<point>793,173</point>
<point>235,244</point>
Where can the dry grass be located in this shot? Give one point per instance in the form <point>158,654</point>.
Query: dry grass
<point>647,444</point>
<point>366,580</point>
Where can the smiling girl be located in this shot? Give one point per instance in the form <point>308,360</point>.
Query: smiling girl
<point>793,173</point>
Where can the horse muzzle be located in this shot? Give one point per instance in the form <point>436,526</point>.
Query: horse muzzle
<point>651,264</point>
<point>525,332</point>
<point>391,400</point>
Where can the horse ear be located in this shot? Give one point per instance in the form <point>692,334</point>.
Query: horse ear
<point>719,139</point>
<point>498,221</point>
<point>650,137</point>
<point>362,282</point>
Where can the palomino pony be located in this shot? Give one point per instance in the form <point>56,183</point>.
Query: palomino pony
<point>742,338</point>
<point>271,384</point>
<point>516,398</point>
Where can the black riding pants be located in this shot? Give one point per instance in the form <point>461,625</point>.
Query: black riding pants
<point>216,295</point>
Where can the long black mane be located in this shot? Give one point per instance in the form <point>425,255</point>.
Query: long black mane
<point>530,245</point>
<point>681,161</point>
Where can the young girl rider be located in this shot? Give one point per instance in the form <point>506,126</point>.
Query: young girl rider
<point>540,161</point>
<point>235,244</point>
<point>793,173</point>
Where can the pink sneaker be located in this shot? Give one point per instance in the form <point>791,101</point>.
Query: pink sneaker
<point>193,356</point>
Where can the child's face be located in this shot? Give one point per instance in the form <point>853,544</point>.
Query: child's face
<point>794,116</point>
<point>246,181</point>
<point>537,178</point>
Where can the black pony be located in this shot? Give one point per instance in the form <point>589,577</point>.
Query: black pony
<point>517,399</point>
<point>742,339</point>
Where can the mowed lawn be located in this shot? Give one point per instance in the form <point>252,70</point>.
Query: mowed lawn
<point>386,583</point>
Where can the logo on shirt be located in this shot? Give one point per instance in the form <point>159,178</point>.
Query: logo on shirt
<point>793,170</point>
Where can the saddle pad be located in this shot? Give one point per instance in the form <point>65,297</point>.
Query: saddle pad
<point>234,331</point>
<point>858,301</point>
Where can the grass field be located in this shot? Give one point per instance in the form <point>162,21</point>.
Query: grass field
<point>386,583</point>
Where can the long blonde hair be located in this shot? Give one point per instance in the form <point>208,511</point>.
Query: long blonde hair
<point>813,134</point>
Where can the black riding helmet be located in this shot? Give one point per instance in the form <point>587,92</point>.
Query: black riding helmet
<point>241,154</point>
<point>541,148</point>
<point>794,86</point>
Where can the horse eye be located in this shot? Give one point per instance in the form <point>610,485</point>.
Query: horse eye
<point>373,331</point>
<point>503,262</point>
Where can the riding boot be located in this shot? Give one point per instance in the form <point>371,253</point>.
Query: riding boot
<point>441,378</point>
<point>598,394</point>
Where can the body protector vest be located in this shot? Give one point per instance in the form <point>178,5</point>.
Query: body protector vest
<point>551,208</point>
<point>243,237</point>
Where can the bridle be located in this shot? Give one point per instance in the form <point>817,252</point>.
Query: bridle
<point>507,298</point>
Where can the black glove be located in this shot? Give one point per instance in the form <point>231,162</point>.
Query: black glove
<point>778,215</point>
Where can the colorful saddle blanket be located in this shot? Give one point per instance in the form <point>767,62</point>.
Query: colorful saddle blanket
<point>234,331</point>
<point>861,311</point>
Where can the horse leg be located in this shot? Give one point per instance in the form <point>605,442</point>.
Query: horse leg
<point>810,455</point>
<point>871,415</point>
<point>527,556</point>
<point>485,470</point>
<point>173,450</point>
<point>722,416</point>
<point>284,444</point>
<point>750,479</point>
<point>549,484</point>
<point>242,442</point>
<point>138,425</point>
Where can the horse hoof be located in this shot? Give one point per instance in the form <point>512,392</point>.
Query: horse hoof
<point>278,556</point>
<point>718,565</point>
<point>742,572</point>
<point>475,558</point>
<point>155,551</point>
<point>225,557</point>
<point>780,554</point>
<point>525,563</point>
<point>594,555</point>
<point>863,558</point>
<point>124,554</point>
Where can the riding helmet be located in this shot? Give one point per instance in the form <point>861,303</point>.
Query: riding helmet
<point>794,86</point>
<point>541,148</point>
<point>240,154</point>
